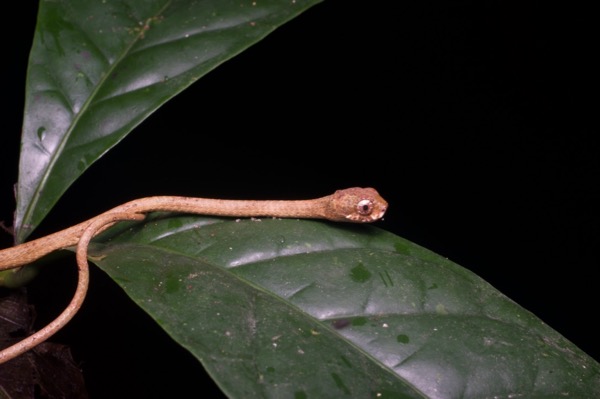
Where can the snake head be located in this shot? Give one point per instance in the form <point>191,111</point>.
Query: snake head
<point>359,205</point>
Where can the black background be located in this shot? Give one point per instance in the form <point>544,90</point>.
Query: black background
<point>475,120</point>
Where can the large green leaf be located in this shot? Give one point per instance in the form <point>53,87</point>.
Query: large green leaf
<point>98,68</point>
<point>300,309</point>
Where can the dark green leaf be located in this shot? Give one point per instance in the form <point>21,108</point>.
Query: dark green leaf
<point>98,68</point>
<point>300,309</point>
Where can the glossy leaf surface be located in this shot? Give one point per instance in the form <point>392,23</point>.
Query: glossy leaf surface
<point>98,68</point>
<point>300,309</point>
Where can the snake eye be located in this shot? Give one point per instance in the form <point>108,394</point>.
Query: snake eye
<point>364,207</point>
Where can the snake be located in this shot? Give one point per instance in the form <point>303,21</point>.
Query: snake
<point>356,204</point>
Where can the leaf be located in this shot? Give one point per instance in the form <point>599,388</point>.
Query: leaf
<point>99,68</point>
<point>299,309</point>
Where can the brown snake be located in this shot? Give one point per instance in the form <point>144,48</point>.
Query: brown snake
<point>359,205</point>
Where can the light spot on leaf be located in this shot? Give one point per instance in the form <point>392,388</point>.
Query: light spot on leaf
<point>441,309</point>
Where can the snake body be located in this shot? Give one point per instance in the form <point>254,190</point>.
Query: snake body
<point>360,205</point>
